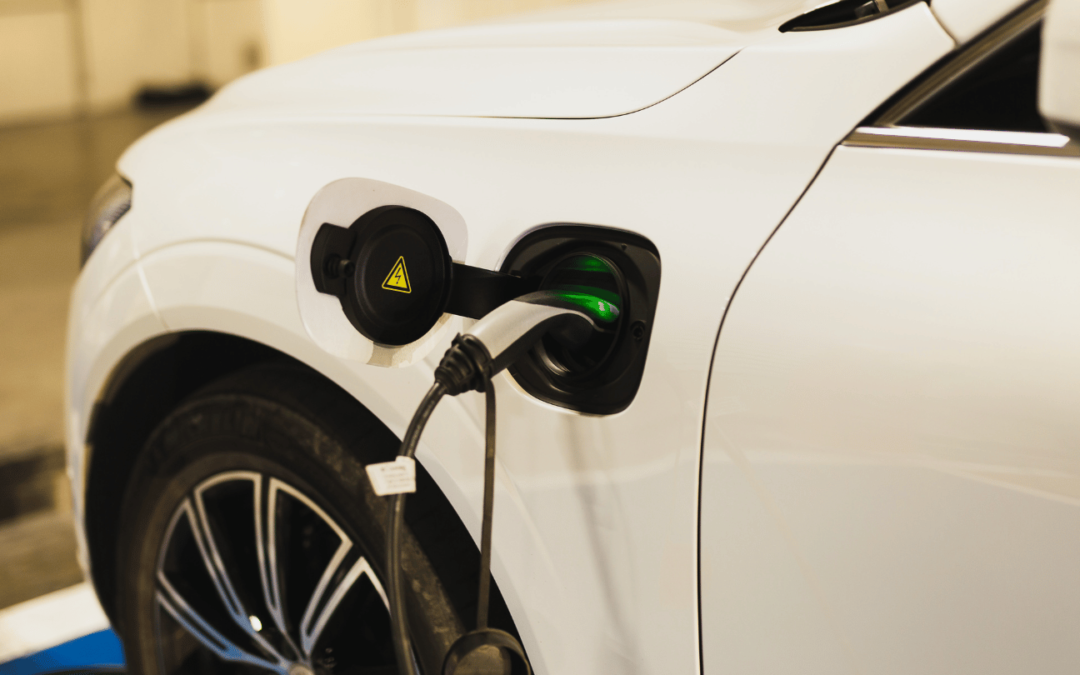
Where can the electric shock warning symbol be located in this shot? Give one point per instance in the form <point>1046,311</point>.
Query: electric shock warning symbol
<point>398,279</point>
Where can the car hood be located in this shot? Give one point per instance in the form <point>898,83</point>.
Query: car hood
<point>585,62</point>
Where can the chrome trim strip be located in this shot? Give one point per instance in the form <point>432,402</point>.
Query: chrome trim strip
<point>1027,138</point>
<point>964,140</point>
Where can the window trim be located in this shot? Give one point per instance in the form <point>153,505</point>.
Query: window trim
<point>964,140</point>
<point>962,62</point>
<point>883,131</point>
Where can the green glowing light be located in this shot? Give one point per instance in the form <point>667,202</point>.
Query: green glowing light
<point>586,263</point>
<point>600,309</point>
<point>610,297</point>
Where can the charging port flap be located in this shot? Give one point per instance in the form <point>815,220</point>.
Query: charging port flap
<point>374,264</point>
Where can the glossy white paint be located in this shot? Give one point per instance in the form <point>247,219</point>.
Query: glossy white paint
<point>249,175</point>
<point>891,473</point>
<point>110,315</point>
<point>557,70</point>
<point>596,534</point>
<point>964,19</point>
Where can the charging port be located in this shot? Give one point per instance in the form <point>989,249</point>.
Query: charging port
<point>598,286</point>
<point>615,273</point>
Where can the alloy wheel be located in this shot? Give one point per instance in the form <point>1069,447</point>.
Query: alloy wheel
<point>254,576</point>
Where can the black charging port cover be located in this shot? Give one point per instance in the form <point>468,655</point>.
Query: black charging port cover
<point>390,269</point>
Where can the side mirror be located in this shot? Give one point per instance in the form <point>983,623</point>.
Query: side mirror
<point>1059,69</point>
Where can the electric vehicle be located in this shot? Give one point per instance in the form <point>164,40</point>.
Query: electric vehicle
<point>829,428</point>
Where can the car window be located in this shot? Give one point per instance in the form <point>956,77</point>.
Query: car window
<point>980,98</point>
<point>1000,93</point>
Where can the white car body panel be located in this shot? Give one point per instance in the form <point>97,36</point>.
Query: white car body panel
<point>596,537</point>
<point>110,315</point>
<point>559,70</point>
<point>588,61</point>
<point>726,117</point>
<point>964,19</point>
<point>891,473</point>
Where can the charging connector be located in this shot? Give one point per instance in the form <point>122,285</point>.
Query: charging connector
<point>493,343</point>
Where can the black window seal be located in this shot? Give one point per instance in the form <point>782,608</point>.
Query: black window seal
<point>793,25</point>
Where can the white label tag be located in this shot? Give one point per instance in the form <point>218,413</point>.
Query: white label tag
<point>393,478</point>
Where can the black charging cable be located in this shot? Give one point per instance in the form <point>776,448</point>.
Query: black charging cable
<point>465,367</point>
<point>472,360</point>
<point>402,645</point>
<point>462,369</point>
<point>489,505</point>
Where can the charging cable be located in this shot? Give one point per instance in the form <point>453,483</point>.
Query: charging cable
<point>497,340</point>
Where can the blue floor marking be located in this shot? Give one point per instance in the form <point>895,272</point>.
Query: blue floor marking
<point>91,652</point>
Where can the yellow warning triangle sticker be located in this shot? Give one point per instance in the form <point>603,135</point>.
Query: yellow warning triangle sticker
<point>398,279</point>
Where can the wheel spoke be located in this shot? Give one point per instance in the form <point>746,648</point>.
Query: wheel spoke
<point>182,611</point>
<point>202,631</point>
<point>307,592</point>
<point>315,621</point>
<point>324,600</point>
<point>266,546</point>
<point>204,537</point>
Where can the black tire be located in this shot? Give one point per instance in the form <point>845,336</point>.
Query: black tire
<point>279,432</point>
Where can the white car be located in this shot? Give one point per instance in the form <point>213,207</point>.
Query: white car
<point>830,425</point>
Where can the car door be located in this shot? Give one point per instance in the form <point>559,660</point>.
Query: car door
<point>891,467</point>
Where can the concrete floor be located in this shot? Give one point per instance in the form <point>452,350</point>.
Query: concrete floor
<point>48,173</point>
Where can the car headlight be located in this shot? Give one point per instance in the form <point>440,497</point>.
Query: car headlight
<point>110,203</point>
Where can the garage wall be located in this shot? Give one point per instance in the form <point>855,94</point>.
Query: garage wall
<point>130,43</point>
<point>227,39</point>
<point>299,28</point>
<point>59,57</point>
<point>37,60</point>
<point>442,13</point>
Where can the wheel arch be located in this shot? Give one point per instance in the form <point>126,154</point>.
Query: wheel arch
<point>152,379</point>
<point>141,391</point>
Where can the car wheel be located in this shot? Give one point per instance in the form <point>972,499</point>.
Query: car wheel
<point>251,540</point>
